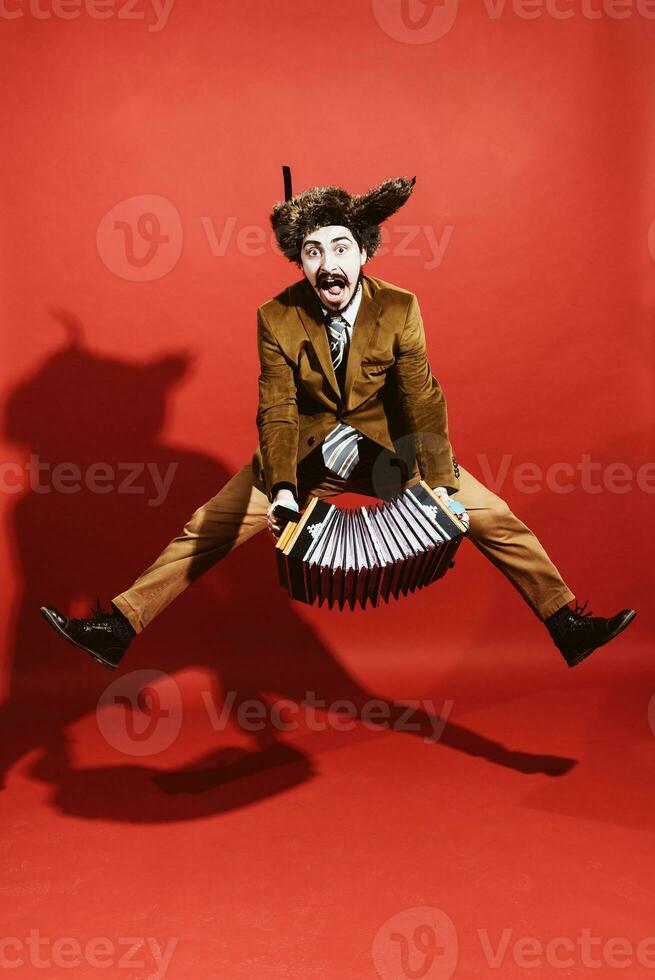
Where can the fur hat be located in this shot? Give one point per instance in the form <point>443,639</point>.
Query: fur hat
<point>295,217</point>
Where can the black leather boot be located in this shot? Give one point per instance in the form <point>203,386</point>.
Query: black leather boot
<point>577,633</point>
<point>105,636</point>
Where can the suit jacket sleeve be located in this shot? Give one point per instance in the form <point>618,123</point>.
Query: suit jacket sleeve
<point>424,404</point>
<point>277,411</point>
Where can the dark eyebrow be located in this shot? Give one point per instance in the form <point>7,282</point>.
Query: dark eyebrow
<point>312,241</point>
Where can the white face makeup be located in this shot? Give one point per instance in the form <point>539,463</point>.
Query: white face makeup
<point>331,261</point>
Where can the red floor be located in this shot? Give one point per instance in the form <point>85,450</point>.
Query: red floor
<point>319,853</point>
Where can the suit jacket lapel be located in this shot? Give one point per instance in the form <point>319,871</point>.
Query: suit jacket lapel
<point>365,324</point>
<point>309,311</point>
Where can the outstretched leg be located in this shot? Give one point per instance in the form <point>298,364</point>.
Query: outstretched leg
<point>237,512</point>
<point>517,552</point>
<point>234,514</point>
<point>512,547</point>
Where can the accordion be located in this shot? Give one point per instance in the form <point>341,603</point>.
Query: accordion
<point>340,556</point>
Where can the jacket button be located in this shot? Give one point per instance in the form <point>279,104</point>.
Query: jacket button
<point>311,441</point>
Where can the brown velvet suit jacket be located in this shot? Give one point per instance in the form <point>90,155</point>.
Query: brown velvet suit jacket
<point>390,392</point>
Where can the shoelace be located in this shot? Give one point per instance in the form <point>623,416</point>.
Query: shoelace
<point>97,613</point>
<point>580,610</point>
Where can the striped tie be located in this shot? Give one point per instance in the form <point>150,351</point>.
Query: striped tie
<point>340,450</point>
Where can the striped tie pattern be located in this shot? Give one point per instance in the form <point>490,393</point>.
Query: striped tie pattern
<point>340,449</point>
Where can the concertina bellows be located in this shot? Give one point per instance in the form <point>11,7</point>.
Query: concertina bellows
<point>335,555</point>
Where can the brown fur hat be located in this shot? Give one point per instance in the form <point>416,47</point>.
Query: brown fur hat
<point>317,207</point>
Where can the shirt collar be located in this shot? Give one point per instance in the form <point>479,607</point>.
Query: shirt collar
<point>351,312</point>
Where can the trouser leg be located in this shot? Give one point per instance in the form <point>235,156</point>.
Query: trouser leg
<point>512,547</point>
<point>234,514</point>
<point>238,511</point>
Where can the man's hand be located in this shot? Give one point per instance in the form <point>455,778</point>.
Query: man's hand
<point>453,505</point>
<point>287,499</point>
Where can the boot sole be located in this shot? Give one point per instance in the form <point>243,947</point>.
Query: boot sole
<point>92,653</point>
<point>583,656</point>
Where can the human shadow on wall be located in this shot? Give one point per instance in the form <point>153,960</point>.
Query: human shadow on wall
<point>75,539</point>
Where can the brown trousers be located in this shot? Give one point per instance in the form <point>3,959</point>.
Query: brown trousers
<point>238,511</point>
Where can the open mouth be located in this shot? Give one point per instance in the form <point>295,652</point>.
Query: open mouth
<point>332,287</point>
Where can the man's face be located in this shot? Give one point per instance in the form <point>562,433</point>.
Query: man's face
<point>331,260</point>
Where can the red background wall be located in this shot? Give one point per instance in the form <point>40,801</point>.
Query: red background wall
<point>531,140</point>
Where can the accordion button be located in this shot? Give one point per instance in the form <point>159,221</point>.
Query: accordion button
<point>311,441</point>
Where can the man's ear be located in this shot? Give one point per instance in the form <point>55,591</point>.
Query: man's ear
<point>363,254</point>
